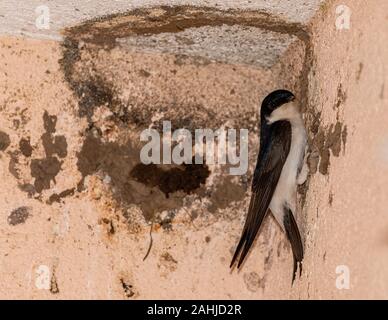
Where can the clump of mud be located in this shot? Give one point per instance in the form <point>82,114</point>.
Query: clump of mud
<point>148,186</point>
<point>186,178</point>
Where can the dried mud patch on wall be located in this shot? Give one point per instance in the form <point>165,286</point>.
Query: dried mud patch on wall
<point>186,178</point>
<point>44,170</point>
<point>104,31</point>
<point>19,216</point>
<point>83,44</point>
<point>153,188</point>
<point>37,174</point>
<point>5,141</point>
<point>159,191</point>
<point>328,141</point>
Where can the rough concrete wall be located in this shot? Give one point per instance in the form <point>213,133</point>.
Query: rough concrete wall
<point>78,208</point>
<point>346,209</point>
<point>18,17</point>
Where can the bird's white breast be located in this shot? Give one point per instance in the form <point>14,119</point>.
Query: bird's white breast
<point>285,192</point>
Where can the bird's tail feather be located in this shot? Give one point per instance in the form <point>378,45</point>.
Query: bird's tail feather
<point>256,214</point>
<point>238,249</point>
<point>294,237</point>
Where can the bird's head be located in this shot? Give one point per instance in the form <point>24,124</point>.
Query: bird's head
<point>278,105</point>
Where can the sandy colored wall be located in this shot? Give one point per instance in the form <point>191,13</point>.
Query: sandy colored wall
<point>346,208</point>
<point>75,212</point>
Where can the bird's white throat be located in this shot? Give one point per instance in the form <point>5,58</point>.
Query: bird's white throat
<point>288,111</point>
<point>285,193</point>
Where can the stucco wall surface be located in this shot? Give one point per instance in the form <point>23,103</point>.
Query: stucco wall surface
<point>79,212</point>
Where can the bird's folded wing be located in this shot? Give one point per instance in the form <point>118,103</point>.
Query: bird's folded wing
<point>273,154</point>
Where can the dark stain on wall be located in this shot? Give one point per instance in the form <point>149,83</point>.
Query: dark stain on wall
<point>167,263</point>
<point>54,289</point>
<point>166,222</point>
<point>55,197</point>
<point>344,136</point>
<point>93,93</point>
<point>25,147</point>
<point>109,226</point>
<point>127,288</point>
<point>18,216</point>
<point>27,188</point>
<point>225,193</point>
<point>328,141</point>
<point>148,186</point>
<point>46,169</point>
<point>331,198</point>
<point>5,141</point>
<point>13,163</point>
<point>53,145</point>
<point>186,178</point>
<point>340,100</point>
<point>359,71</point>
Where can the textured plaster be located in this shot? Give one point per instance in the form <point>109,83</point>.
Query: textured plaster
<point>18,17</point>
<point>76,222</point>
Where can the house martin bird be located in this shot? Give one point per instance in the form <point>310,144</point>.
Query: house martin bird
<point>281,166</point>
